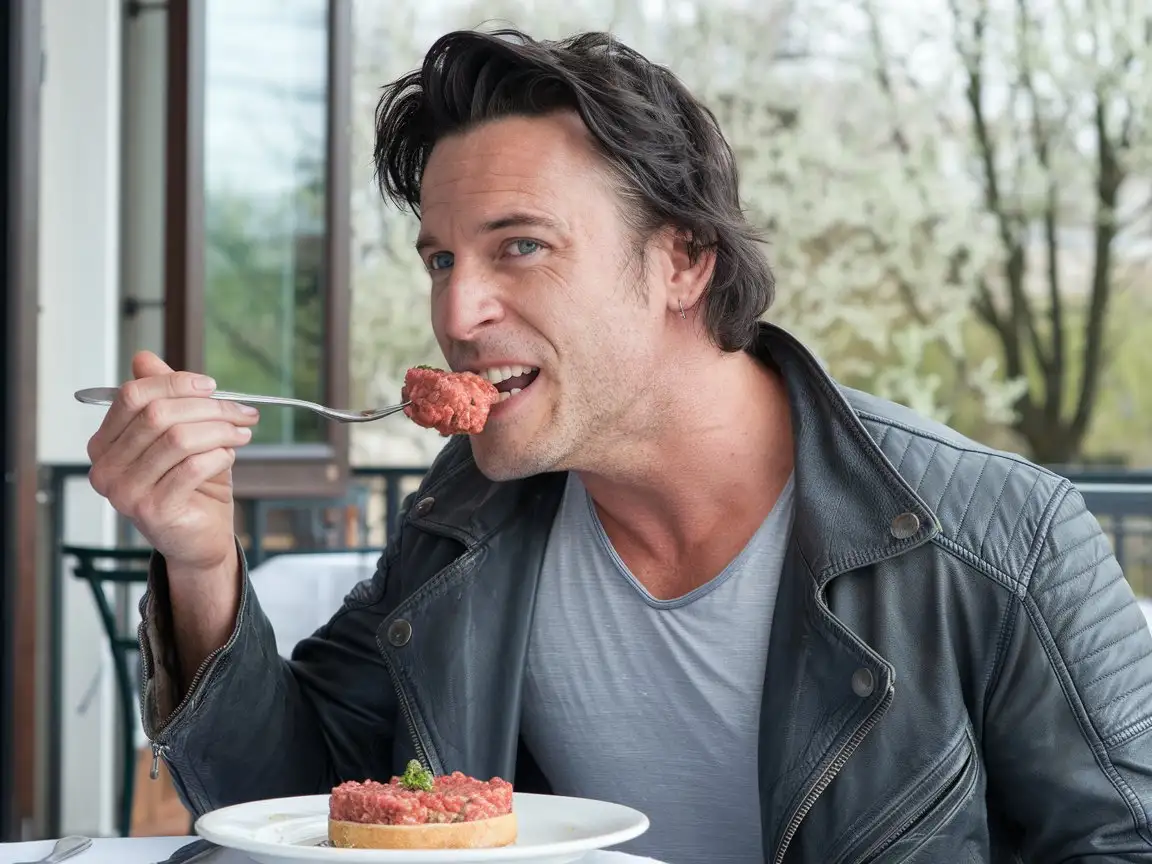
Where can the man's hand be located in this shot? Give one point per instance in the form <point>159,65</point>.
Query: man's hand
<point>163,458</point>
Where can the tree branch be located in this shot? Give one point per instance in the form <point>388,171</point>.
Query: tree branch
<point>985,308</point>
<point>1015,262</point>
<point>1054,368</point>
<point>1109,178</point>
<point>883,77</point>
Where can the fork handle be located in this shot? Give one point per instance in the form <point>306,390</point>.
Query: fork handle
<point>229,396</point>
<point>106,396</point>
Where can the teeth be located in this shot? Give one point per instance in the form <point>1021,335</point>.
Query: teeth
<point>502,373</point>
<point>508,394</point>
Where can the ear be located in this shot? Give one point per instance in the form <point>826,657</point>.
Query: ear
<point>689,269</point>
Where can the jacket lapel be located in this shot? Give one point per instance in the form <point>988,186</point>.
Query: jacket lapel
<point>849,496</point>
<point>824,688</point>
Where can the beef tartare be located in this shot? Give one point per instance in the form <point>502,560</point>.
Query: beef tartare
<point>452,403</point>
<point>419,811</point>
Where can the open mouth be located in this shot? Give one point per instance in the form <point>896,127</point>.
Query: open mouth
<point>511,380</point>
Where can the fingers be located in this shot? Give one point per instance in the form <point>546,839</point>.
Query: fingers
<point>187,441</point>
<point>162,433</point>
<point>145,364</point>
<point>159,437</point>
<point>137,396</point>
<point>192,473</point>
<point>165,419</point>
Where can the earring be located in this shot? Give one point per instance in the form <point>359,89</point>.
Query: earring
<point>680,303</point>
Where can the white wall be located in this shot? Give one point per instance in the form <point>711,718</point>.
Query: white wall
<point>79,347</point>
<point>145,104</point>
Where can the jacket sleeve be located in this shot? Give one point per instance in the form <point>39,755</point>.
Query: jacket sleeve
<point>254,725</point>
<point>1068,724</point>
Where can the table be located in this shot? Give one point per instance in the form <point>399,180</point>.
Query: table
<point>149,850</point>
<point>299,593</point>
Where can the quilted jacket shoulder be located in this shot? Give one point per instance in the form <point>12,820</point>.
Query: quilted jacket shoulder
<point>994,507</point>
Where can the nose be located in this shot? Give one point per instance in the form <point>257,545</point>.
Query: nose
<point>467,304</point>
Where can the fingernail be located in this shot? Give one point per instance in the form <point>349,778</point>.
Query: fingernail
<point>203,382</point>
<point>245,432</point>
<point>247,409</point>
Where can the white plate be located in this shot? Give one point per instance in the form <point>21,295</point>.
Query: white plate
<point>551,830</point>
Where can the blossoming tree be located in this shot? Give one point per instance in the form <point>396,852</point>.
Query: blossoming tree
<point>941,188</point>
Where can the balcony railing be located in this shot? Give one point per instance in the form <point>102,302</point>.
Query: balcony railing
<point>367,516</point>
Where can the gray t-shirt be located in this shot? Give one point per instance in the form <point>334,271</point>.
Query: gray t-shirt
<point>654,704</point>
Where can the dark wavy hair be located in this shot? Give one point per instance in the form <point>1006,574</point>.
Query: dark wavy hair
<point>670,161</point>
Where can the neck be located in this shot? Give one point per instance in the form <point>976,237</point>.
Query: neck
<point>713,456</point>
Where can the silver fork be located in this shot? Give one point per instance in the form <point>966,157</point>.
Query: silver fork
<point>65,848</point>
<point>105,395</point>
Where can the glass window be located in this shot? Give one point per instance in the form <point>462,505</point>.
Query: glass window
<point>265,183</point>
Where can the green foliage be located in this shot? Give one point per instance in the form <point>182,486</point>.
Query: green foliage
<point>264,306</point>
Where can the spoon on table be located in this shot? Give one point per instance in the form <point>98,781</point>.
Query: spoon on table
<point>65,848</point>
<point>105,395</point>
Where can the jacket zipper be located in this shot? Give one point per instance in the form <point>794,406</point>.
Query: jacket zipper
<point>422,752</point>
<point>157,750</point>
<point>159,747</point>
<point>829,773</point>
<point>177,713</point>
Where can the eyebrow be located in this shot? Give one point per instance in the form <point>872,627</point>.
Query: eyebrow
<point>511,220</point>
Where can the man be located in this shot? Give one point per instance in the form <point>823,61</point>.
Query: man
<point>680,568</point>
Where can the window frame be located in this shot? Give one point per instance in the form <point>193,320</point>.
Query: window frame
<point>21,633</point>
<point>261,471</point>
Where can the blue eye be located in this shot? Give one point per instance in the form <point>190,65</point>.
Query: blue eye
<point>525,247</point>
<point>441,260</point>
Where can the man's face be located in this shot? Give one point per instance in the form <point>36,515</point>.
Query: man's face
<point>533,268</point>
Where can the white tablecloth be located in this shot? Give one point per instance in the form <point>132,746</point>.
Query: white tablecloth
<point>149,850</point>
<point>299,593</point>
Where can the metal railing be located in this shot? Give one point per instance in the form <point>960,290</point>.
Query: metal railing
<point>1121,501</point>
<point>377,491</point>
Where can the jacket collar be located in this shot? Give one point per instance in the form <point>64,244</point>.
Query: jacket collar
<point>853,508</point>
<point>850,498</point>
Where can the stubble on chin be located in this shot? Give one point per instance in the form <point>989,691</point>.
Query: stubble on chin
<point>502,464</point>
<point>505,461</point>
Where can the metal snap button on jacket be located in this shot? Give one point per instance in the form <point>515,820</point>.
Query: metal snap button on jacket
<point>424,506</point>
<point>399,632</point>
<point>905,525</point>
<point>863,682</point>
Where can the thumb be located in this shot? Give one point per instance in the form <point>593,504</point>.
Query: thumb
<point>145,364</point>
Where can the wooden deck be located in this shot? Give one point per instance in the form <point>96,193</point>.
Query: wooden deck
<point>156,809</point>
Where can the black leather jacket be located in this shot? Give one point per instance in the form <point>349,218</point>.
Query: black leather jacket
<point>958,671</point>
